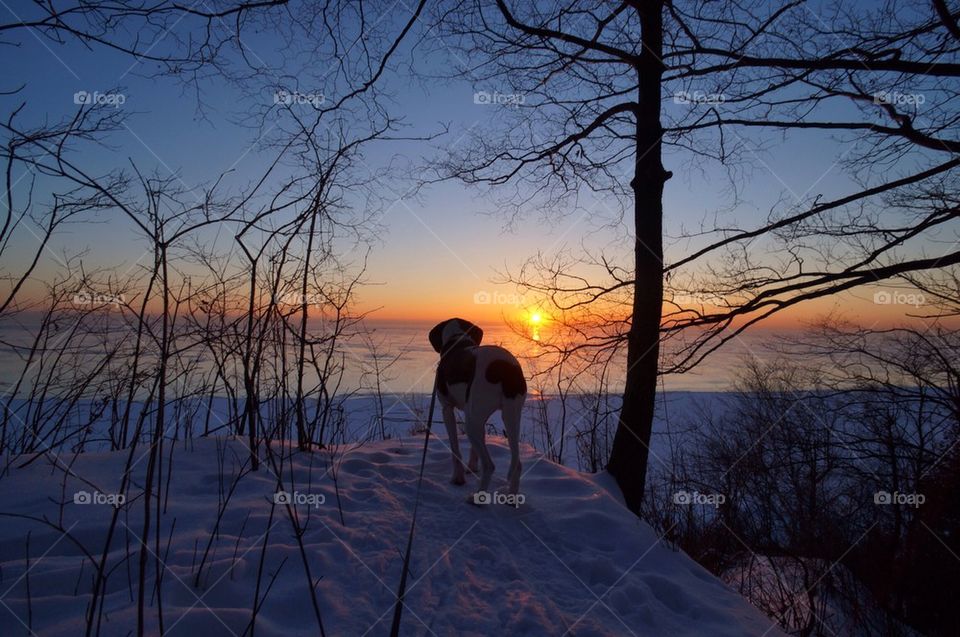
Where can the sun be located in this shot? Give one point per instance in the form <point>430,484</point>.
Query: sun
<point>536,320</point>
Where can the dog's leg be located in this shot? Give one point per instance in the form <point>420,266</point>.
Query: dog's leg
<point>472,464</point>
<point>450,421</point>
<point>511,421</point>
<point>476,432</point>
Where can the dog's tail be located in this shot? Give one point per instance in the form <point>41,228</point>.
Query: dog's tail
<point>509,376</point>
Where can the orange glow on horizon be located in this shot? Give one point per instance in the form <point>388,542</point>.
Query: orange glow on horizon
<point>425,303</point>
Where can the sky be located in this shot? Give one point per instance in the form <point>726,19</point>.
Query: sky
<point>438,255</point>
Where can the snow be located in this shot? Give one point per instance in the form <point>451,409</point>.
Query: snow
<point>570,560</point>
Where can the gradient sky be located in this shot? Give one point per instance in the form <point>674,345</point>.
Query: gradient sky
<point>436,254</point>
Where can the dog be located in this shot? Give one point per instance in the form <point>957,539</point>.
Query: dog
<point>478,380</point>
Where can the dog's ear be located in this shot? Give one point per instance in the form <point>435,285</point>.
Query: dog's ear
<point>474,332</point>
<point>436,335</point>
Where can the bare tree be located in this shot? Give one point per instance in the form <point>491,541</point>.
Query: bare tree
<point>602,92</point>
<point>313,110</point>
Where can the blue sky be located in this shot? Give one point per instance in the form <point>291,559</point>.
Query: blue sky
<point>442,242</point>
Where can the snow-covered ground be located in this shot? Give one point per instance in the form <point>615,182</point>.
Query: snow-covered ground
<point>570,560</point>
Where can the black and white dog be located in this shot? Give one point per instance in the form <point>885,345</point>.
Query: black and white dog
<point>478,381</point>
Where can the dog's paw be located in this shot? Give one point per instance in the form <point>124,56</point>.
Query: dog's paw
<point>458,480</point>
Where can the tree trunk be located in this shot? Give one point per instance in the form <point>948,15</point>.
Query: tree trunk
<point>631,445</point>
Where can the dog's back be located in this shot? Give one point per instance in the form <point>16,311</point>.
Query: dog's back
<point>502,368</point>
<point>489,372</point>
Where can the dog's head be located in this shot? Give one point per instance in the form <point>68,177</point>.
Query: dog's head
<point>452,332</point>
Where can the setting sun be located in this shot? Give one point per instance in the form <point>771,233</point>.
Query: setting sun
<point>536,320</point>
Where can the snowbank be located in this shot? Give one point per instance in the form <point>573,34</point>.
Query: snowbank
<point>570,560</point>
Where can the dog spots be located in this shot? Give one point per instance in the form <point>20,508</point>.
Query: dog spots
<point>509,376</point>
